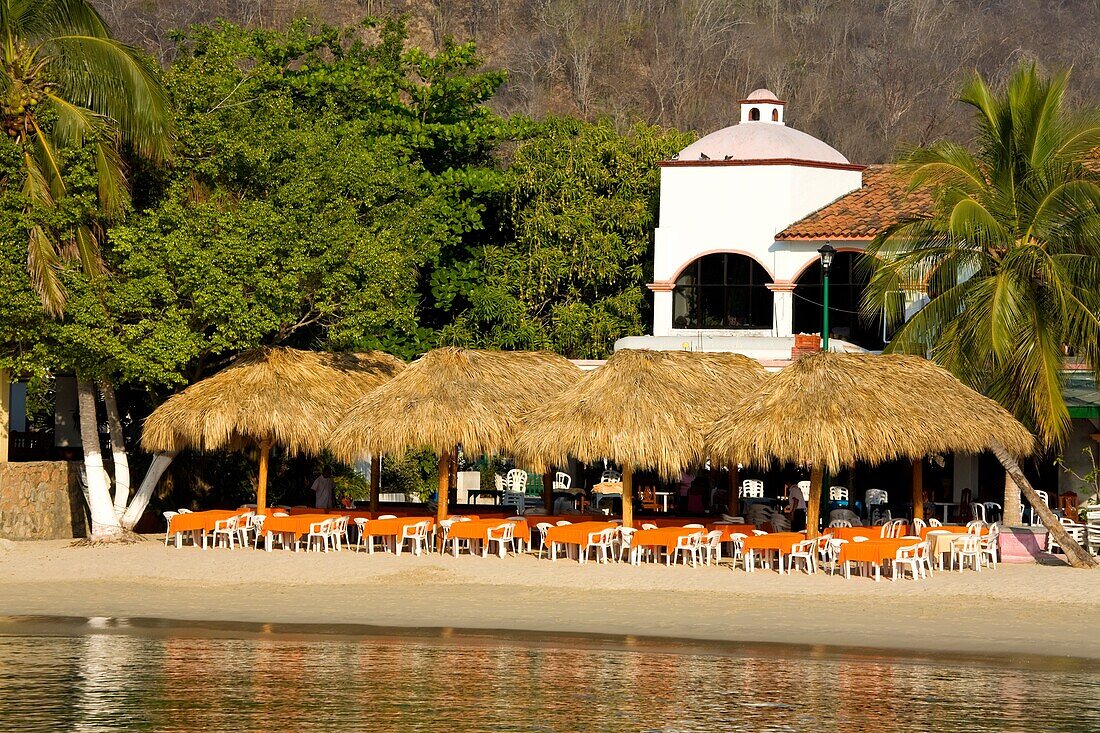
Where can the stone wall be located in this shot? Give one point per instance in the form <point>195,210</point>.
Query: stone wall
<point>41,500</point>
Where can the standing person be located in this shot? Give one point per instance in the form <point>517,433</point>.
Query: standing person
<point>324,489</point>
<point>796,505</point>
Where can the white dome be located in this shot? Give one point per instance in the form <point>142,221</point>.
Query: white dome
<point>761,141</point>
<point>762,95</point>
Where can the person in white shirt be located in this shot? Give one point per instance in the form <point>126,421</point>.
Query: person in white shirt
<point>796,505</point>
<point>324,489</point>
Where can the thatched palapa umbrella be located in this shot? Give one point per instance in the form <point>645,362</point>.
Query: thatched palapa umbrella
<point>831,410</point>
<point>452,397</point>
<point>641,409</point>
<point>267,396</point>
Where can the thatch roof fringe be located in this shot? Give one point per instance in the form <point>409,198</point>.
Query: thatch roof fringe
<point>644,409</point>
<point>453,396</point>
<point>836,409</point>
<point>285,396</point>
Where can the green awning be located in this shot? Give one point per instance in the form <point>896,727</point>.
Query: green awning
<point>1081,394</point>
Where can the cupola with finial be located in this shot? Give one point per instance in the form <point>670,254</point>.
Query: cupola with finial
<point>762,106</point>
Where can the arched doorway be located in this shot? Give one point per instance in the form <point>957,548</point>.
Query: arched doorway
<point>722,291</point>
<point>847,281</point>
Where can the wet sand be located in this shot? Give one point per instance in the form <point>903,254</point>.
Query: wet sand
<point>1018,609</point>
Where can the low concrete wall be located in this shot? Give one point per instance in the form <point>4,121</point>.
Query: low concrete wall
<point>40,500</point>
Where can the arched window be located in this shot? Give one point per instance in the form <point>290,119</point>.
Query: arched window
<point>847,281</point>
<point>754,114</point>
<point>775,115</point>
<point>723,291</point>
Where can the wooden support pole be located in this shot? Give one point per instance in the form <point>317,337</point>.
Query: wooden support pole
<point>444,486</point>
<point>733,502</point>
<point>628,497</point>
<point>918,489</point>
<point>261,479</point>
<point>813,502</point>
<point>548,490</point>
<point>375,480</point>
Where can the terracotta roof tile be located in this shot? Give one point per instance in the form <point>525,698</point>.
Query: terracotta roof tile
<point>863,213</point>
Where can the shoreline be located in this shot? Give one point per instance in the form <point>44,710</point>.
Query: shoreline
<point>459,636</point>
<point>1035,611</point>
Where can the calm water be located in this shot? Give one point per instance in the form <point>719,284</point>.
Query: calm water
<point>110,674</point>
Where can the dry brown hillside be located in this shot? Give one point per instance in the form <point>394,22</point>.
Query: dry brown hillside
<point>863,75</point>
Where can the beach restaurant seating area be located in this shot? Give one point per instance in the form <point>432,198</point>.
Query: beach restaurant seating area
<point>896,549</point>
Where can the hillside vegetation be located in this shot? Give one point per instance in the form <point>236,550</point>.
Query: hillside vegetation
<point>863,75</point>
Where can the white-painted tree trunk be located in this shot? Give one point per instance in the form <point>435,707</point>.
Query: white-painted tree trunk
<point>104,520</point>
<point>145,491</point>
<point>119,459</point>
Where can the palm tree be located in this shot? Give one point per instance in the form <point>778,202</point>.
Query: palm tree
<point>67,87</point>
<point>1008,256</point>
<point>65,84</point>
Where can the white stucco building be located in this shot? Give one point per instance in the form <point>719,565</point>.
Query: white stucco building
<point>742,214</point>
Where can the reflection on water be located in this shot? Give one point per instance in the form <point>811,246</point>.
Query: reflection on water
<point>100,675</point>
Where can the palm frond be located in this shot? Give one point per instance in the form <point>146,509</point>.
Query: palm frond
<point>114,80</point>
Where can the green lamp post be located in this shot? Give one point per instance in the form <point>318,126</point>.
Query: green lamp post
<point>827,252</point>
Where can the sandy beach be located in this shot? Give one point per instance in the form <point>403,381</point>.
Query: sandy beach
<point>1018,609</point>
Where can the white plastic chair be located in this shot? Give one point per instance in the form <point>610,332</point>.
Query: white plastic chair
<point>836,493</point>
<point>255,528</point>
<point>320,535</point>
<point>989,545</point>
<point>993,511</point>
<point>386,516</point>
<point>918,525</point>
<point>227,529</point>
<point>874,499</point>
<point>686,546</point>
<point>911,557</point>
<point>502,534</point>
<point>977,510</point>
<point>712,547</point>
<point>806,551</point>
<point>168,525</point>
<point>648,525</point>
<point>626,537</point>
<point>933,522</point>
<point>975,526</point>
<point>417,537</point>
<point>542,527</point>
<point>610,476</point>
<point>1035,521</point>
<point>966,548</point>
<point>751,489</point>
<point>839,523</point>
<point>602,542</point>
<point>183,511</point>
<point>694,526</point>
<point>562,481</point>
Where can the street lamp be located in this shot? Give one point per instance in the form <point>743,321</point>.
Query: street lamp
<point>827,253</point>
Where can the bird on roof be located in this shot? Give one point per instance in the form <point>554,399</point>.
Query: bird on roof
<point>704,156</point>
<point>728,157</point>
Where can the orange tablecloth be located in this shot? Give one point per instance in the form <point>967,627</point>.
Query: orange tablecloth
<point>297,525</point>
<point>478,529</point>
<point>728,529</point>
<point>664,536</point>
<point>953,528</point>
<point>393,527</point>
<point>876,550</point>
<point>781,541</point>
<point>205,521</point>
<point>574,534</point>
<point>850,533</point>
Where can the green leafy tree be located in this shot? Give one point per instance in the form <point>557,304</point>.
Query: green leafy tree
<point>569,269</point>
<point>1010,252</point>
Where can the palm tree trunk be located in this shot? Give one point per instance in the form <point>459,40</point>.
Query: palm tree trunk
<point>1077,556</point>
<point>145,491</point>
<point>1013,513</point>
<point>119,459</point>
<point>104,520</point>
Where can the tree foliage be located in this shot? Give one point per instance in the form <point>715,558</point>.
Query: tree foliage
<point>1011,252</point>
